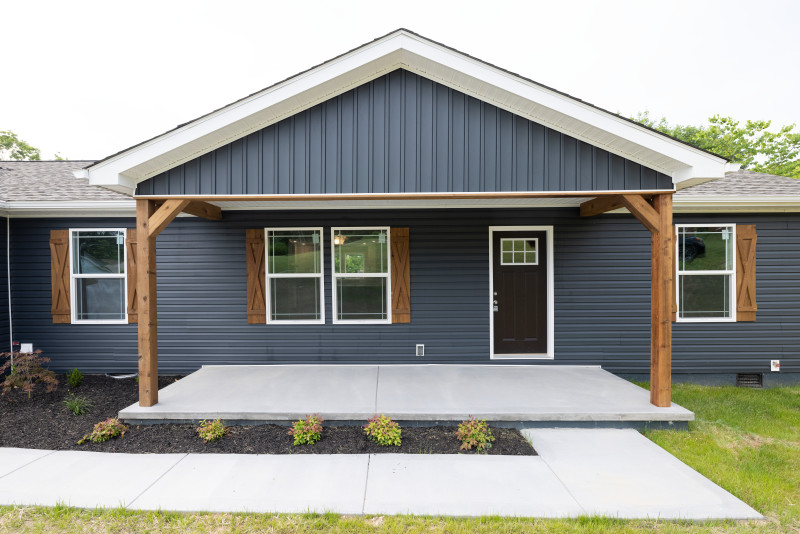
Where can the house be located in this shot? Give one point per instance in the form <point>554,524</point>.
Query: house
<point>406,203</point>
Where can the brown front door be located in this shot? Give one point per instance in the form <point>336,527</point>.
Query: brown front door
<point>519,292</point>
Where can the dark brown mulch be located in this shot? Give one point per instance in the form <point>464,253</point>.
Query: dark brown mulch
<point>43,422</point>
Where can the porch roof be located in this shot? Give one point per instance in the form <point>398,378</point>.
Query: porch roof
<point>403,49</point>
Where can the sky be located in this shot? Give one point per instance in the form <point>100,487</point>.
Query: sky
<point>86,79</point>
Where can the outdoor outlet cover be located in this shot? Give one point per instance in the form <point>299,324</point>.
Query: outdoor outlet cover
<point>420,351</point>
<point>26,347</point>
<point>775,365</point>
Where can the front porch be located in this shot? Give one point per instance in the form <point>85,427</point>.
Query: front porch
<point>525,395</point>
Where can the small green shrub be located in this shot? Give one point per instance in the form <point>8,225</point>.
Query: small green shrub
<point>77,404</point>
<point>28,370</point>
<point>211,430</point>
<point>105,430</point>
<point>474,433</point>
<point>383,431</point>
<point>74,378</point>
<point>308,431</point>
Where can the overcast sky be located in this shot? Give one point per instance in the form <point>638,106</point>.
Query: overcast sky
<point>87,79</point>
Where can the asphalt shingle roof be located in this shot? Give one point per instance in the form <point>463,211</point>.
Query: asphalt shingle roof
<point>54,181</point>
<point>744,182</point>
<point>49,181</point>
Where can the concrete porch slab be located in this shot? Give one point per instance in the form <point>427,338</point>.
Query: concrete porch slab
<point>515,394</point>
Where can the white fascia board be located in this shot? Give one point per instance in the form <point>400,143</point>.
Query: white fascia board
<point>66,208</point>
<point>401,49</point>
<point>736,203</point>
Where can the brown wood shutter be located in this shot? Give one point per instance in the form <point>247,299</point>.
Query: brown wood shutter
<point>673,297</point>
<point>401,276</point>
<point>59,276</point>
<point>256,277</point>
<point>130,266</point>
<point>746,272</point>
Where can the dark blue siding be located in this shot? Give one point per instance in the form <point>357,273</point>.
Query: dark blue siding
<point>602,271</point>
<point>5,341</point>
<point>403,133</point>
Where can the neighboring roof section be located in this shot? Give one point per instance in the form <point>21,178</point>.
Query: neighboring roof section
<point>49,188</point>
<point>403,49</point>
<point>741,190</point>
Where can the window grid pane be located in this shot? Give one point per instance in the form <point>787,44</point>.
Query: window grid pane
<point>291,254</point>
<point>705,267</point>
<point>361,274</point>
<point>519,251</point>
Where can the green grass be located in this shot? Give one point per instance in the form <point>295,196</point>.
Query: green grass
<point>747,441</point>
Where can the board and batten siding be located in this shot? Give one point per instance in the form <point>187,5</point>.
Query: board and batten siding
<point>602,278</point>
<point>402,133</point>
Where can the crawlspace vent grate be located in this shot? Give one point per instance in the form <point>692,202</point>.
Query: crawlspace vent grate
<point>749,380</point>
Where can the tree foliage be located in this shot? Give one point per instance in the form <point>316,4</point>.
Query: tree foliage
<point>752,145</point>
<point>12,147</point>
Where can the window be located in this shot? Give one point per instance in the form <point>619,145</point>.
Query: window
<point>97,276</point>
<point>294,276</point>
<point>706,269</point>
<point>361,287</point>
<point>519,251</point>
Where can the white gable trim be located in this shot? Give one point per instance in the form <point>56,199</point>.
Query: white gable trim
<point>403,49</point>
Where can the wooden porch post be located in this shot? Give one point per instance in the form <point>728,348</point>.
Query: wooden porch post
<point>146,289</point>
<point>662,258</point>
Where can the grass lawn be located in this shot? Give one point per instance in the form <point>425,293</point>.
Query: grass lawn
<point>747,441</point>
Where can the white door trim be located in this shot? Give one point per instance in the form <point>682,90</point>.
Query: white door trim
<point>550,295</point>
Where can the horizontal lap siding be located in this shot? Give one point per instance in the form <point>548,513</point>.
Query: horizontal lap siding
<point>402,133</point>
<point>5,340</point>
<point>602,273</point>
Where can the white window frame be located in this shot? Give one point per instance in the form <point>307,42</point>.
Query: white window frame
<point>387,275</point>
<point>729,272</point>
<point>73,299</point>
<point>551,329</point>
<point>320,275</point>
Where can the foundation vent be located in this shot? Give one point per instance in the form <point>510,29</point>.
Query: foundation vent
<point>749,380</point>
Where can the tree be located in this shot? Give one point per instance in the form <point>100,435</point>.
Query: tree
<point>12,147</point>
<point>753,145</point>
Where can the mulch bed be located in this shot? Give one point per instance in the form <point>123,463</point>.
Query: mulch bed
<point>43,422</point>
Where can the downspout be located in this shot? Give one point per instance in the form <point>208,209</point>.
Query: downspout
<point>8,274</point>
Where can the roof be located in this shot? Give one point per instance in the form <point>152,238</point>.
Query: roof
<point>744,182</point>
<point>438,43</point>
<point>50,189</point>
<point>407,50</point>
<point>49,180</point>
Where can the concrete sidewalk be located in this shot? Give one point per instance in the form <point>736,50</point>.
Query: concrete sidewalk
<point>608,472</point>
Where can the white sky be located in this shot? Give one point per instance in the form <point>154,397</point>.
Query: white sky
<point>89,78</point>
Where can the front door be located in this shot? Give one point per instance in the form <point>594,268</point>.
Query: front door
<point>519,292</point>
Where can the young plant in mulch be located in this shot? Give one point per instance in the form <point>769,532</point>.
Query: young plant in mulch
<point>307,431</point>
<point>383,431</point>
<point>77,404</point>
<point>105,430</point>
<point>474,433</point>
<point>27,371</point>
<point>211,430</point>
<point>74,378</point>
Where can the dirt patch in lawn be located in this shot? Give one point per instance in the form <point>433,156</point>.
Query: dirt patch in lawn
<point>43,422</point>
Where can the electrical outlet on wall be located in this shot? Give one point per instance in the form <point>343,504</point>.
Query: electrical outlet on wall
<point>420,351</point>
<point>26,348</point>
<point>775,365</point>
